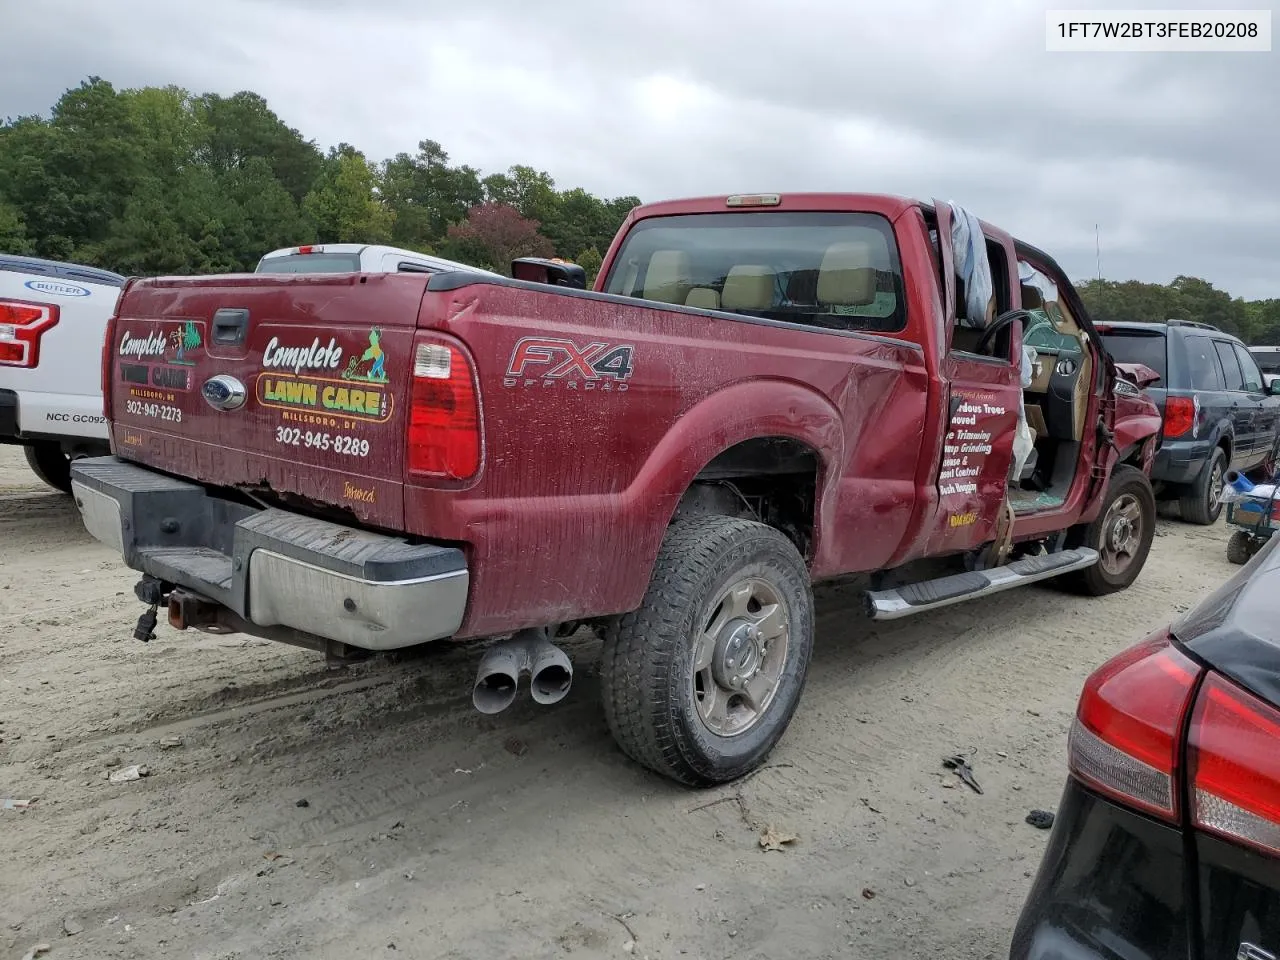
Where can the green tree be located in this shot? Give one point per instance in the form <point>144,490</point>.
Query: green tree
<point>13,232</point>
<point>428,195</point>
<point>589,260</point>
<point>345,205</point>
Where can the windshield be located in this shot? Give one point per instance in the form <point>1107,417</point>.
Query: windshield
<point>1137,346</point>
<point>1043,335</point>
<point>311,263</point>
<point>835,270</point>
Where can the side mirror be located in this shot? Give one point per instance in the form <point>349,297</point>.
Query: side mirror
<point>557,273</point>
<point>1273,387</point>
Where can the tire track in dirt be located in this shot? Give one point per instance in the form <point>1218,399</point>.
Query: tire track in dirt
<point>424,827</point>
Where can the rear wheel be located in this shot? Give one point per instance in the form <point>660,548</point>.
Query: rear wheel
<point>50,464</point>
<point>701,681</point>
<point>1202,503</point>
<point>1240,547</point>
<point>1121,534</point>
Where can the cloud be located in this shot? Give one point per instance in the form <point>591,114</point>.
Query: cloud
<point>1172,156</point>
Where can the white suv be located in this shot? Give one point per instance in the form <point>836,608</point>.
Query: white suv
<point>53,317</point>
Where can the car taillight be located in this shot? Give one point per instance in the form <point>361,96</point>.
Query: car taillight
<point>1179,416</point>
<point>105,365</point>
<point>1234,765</point>
<point>444,416</point>
<point>22,325</point>
<point>1125,739</point>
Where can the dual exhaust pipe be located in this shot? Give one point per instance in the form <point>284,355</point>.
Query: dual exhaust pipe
<point>529,652</point>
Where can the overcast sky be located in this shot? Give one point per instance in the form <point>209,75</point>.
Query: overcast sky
<point>1173,156</point>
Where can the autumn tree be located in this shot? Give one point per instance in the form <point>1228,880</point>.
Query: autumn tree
<point>494,234</point>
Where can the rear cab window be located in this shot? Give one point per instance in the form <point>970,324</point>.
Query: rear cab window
<point>1139,346</point>
<point>311,263</point>
<point>836,271</point>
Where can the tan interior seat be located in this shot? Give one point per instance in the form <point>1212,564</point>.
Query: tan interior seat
<point>748,287</point>
<point>667,278</point>
<point>845,278</point>
<point>705,298</point>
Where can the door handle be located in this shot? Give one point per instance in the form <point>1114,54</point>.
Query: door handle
<point>230,325</point>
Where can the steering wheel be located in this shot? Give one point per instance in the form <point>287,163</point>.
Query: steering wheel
<point>998,324</point>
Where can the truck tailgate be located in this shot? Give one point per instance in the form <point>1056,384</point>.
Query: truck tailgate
<point>286,385</point>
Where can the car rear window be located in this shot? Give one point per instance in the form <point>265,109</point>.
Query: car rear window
<point>311,263</point>
<point>834,270</point>
<point>1138,346</point>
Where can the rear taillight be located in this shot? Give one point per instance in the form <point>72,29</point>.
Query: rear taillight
<point>22,325</point>
<point>1179,416</point>
<point>1234,765</point>
<point>1124,742</point>
<point>444,417</point>
<point>108,352</point>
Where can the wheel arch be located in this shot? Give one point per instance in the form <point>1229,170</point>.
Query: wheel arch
<point>727,432</point>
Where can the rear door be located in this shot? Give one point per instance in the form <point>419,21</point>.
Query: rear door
<point>1244,410</point>
<point>1207,382</point>
<point>291,387</point>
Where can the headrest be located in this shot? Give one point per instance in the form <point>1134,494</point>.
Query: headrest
<point>704,297</point>
<point>748,287</point>
<point>667,278</point>
<point>846,278</point>
<point>1032,298</point>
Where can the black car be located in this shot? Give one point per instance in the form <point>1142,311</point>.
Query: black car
<point>1219,414</point>
<point>1166,844</point>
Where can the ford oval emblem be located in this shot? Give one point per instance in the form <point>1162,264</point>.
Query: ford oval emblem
<point>57,288</point>
<point>223,392</point>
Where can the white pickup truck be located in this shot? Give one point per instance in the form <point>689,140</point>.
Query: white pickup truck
<point>355,258</point>
<point>53,317</point>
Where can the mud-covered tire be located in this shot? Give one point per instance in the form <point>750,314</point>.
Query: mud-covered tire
<point>1129,486</point>
<point>1240,547</point>
<point>1202,502</point>
<point>648,680</point>
<point>50,464</point>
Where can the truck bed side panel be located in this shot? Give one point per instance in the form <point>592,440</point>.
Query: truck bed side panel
<point>600,412</point>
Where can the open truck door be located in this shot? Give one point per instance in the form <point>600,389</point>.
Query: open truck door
<point>984,392</point>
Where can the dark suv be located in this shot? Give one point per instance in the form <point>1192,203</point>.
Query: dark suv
<point>1218,412</point>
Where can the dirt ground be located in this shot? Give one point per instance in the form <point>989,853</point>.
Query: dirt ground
<point>293,811</point>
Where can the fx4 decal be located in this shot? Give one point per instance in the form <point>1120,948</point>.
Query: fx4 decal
<point>548,362</point>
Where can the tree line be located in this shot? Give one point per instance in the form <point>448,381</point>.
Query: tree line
<point>159,180</point>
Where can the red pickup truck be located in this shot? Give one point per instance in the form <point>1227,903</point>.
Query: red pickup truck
<point>760,392</point>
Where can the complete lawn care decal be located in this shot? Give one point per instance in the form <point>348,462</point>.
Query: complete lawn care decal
<point>157,367</point>
<point>307,396</point>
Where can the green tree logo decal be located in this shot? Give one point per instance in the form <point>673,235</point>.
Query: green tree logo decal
<point>186,337</point>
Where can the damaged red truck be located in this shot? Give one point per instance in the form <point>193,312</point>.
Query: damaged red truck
<point>760,392</point>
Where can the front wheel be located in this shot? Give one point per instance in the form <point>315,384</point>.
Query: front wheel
<point>700,682</point>
<point>1122,534</point>
<point>50,464</point>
